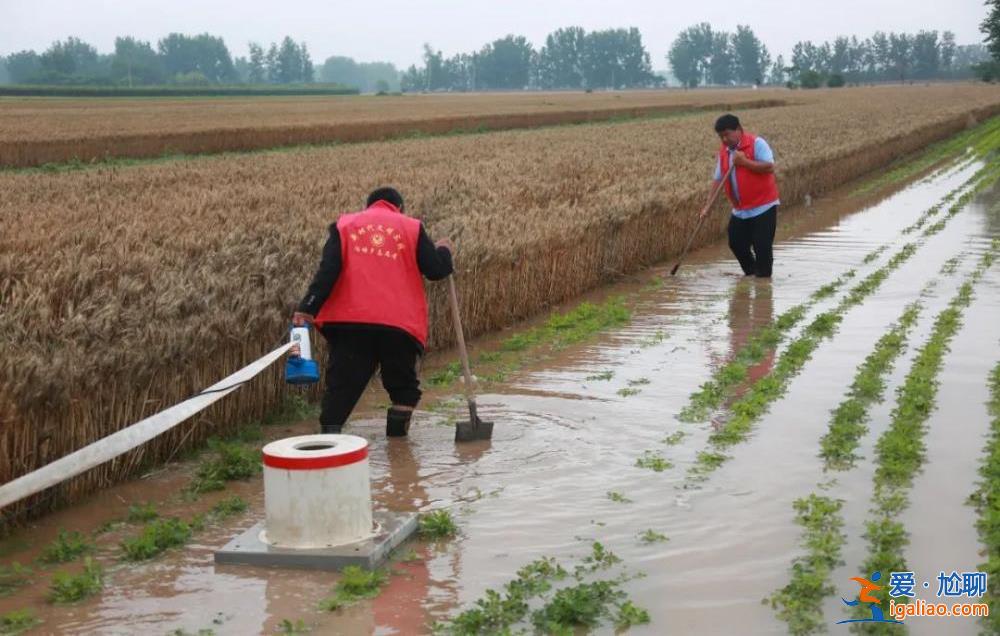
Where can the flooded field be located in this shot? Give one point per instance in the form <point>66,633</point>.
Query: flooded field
<point>573,421</point>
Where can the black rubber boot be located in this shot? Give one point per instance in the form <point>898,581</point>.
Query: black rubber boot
<point>397,422</point>
<point>329,429</point>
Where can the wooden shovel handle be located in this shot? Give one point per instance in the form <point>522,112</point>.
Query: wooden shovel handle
<point>460,336</point>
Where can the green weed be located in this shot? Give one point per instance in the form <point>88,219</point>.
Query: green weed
<point>70,588</point>
<point>155,538</point>
<point>354,585</point>
<point>437,524</point>
<point>66,547</point>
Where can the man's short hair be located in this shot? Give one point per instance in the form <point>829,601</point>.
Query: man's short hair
<point>727,122</point>
<point>390,195</point>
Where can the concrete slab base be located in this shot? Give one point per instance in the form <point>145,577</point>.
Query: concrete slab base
<point>248,549</point>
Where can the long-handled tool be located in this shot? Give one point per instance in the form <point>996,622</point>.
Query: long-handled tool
<point>703,215</point>
<point>474,428</point>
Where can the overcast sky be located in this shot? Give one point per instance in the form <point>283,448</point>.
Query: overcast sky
<point>395,30</point>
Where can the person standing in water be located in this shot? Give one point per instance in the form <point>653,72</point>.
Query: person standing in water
<point>753,191</point>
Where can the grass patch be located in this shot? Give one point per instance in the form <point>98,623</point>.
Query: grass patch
<point>17,622</point>
<point>653,461</point>
<point>653,340</point>
<point>652,536</point>
<point>355,584</point>
<point>298,627</point>
<point>628,392</point>
<point>618,497</point>
<point>156,537</point>
<point>230,506</point>
<point>438,524</point>
<point>227,461</point>
<point>581,605</point>
<point>66,547</point>
<point>70,588</point>
<point>13,577</point>
<point>447,375</point>
<point>141,513</point>
<point>600,377</point>
<point>674,438</point>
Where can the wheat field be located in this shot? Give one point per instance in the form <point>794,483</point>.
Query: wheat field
<point>37,131</point>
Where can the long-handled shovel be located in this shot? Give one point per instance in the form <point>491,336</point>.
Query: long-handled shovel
<point>474,428</point>
<point>703,215</point>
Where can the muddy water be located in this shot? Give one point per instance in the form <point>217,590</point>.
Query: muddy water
<point>562,441</point>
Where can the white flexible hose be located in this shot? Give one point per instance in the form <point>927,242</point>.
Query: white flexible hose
<point>113,445</point>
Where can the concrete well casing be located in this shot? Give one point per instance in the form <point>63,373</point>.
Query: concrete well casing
<point>317,492</point>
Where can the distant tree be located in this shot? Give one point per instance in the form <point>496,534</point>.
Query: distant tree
<point>810,79</point>
<point>343,70</point>
<point>990,27</point>
<point>503,64</point>
<point>412,80</point>
<point>881,52</point>
<point>242,67</point>
<point>135,62</point>
<point>271,64</point>
<point>840,56</point>
<point>684,60</point>
<point>900,50</point>
<point>308,73</point>
<point>434,73</point>
<point>23,66</point>
<point>72,61</point>
<point>778,73</point>
<point>203,54</point>
<point>256,70</point>
<point>289,62</point>
<point>751,56</point>
<point>926,54</point>
<point>4,75</point>
<point>636,68</point>
<point>722,64</point>
<point>560,61</point>
<point>947,50</point>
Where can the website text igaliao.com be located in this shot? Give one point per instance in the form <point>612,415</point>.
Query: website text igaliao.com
<point>920,607</point>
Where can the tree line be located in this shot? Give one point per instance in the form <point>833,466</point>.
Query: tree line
<point>701,55</point>
<point>177,59</point>
<point>570,58</point>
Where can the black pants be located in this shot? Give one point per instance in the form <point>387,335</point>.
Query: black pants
<point>355,352</point>
<point>756,233</point>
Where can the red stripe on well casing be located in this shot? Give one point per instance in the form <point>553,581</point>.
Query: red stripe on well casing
<point>315,463</point>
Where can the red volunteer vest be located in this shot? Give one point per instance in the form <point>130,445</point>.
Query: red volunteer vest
<point>379,282</point>
<point>755,188</point>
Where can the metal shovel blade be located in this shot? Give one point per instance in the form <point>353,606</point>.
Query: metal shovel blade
<point>472,430</point>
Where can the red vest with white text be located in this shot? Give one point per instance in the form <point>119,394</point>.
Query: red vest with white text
<point>380,282</point>
<point>755,188</point>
